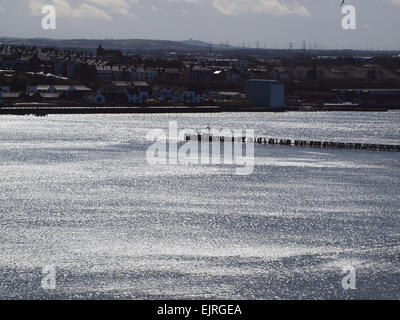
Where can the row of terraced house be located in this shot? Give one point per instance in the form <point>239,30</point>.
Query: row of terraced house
<point>119,92</point>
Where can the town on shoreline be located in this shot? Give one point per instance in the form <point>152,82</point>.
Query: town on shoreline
<point>45,80</point>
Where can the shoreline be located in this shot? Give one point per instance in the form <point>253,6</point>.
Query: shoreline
<point>42,110</point>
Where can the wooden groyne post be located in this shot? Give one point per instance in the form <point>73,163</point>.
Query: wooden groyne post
<point>296,143</point>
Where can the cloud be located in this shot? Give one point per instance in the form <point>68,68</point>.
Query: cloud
<point>110,3</point>
<point>64,9</point>
<point>267,7</point>
<point>118,6</point>
<point>234,7</point>
<point>103,9</point>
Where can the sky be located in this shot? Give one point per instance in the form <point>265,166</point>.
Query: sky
<point>272,23</point>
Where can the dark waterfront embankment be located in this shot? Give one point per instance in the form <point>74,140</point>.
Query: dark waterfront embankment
<point>41,110</point>
<point>45,110</point>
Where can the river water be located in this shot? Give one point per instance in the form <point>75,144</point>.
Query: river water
<point>77,193</point>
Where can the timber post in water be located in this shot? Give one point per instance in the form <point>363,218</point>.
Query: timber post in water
<point>297,143</point>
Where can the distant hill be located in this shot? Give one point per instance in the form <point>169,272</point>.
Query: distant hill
<point>118,44</point>
<point>142,45</point>
<point>202,44</point>
<point>196,43</point>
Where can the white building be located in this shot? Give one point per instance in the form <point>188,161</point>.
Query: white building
<point>50,88</point>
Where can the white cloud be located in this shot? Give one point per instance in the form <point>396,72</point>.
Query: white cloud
<point>276,7</point>
<point>102,9</point>
<point>110,3</point>
<point>88,9</point>
<point>235,7</point>
<point>118,6</point>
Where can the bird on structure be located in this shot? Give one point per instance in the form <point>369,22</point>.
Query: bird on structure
<point>342,3</point>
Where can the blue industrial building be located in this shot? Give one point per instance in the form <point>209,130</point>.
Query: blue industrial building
<point>266,93</point>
